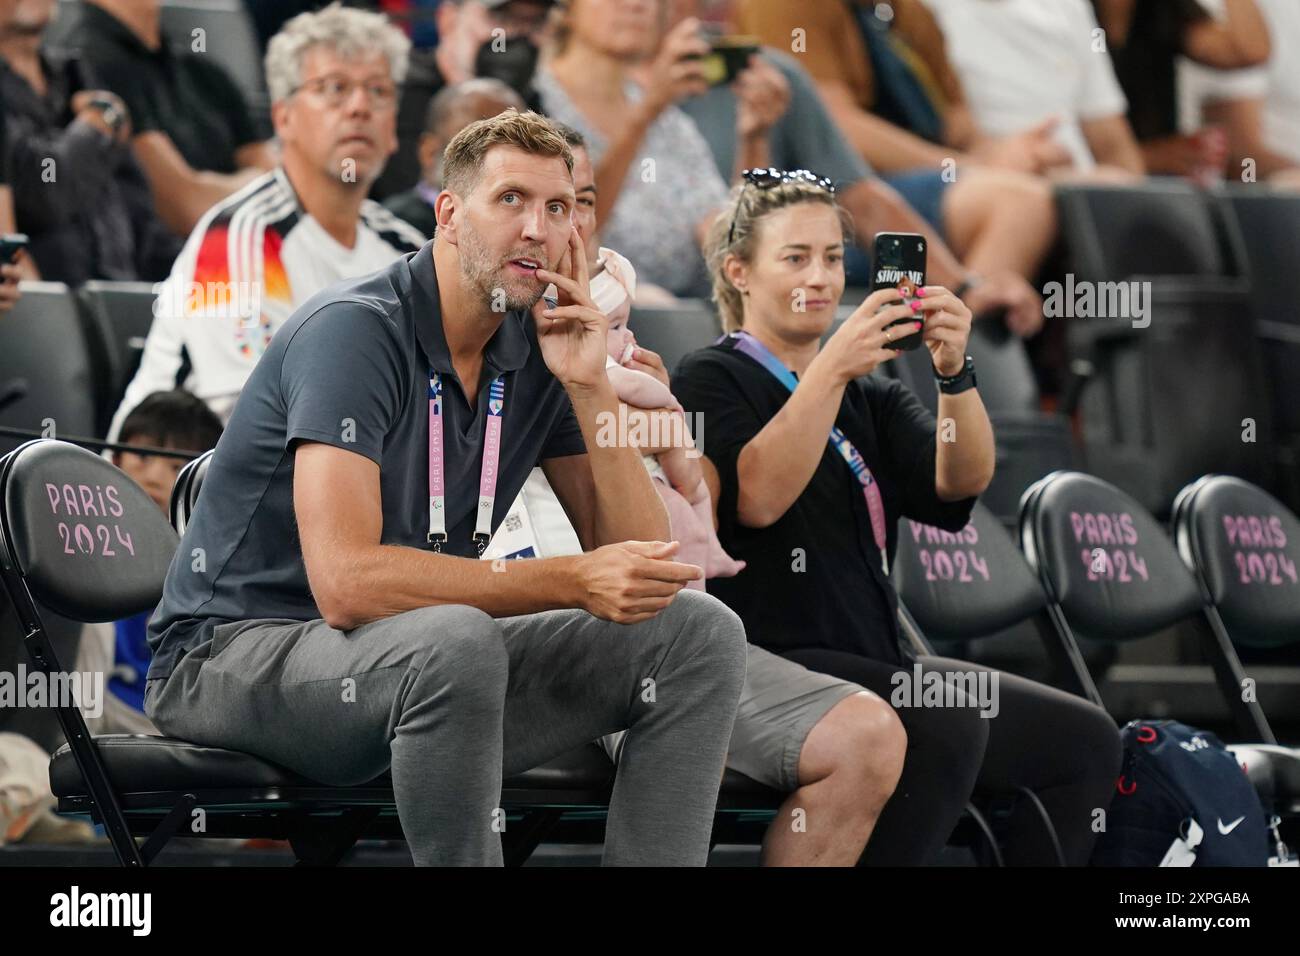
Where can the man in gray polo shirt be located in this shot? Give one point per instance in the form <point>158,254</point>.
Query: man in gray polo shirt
<point>326,610</point>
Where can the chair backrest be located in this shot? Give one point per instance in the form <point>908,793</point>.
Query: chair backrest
<point>123,312</point>
<point>185,493</point>
<point>1273,219</point>
<point>1160,228</point>
<point>1244,547</point>
<point>967,584</point>
<point>43,347</point>
<point>676,332</point>
<point>1274,229</point>
<point>87,541</point>
<point>1103,559</point>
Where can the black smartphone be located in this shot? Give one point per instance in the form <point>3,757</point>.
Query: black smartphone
<point>11,244</point>
<point>727,56</point>
<point>898,262</point>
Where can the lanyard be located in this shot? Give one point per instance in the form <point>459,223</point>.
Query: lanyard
<point>760,353</point>
<point>487,488</point>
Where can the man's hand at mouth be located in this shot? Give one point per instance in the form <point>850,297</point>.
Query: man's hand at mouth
<point>572,335</point>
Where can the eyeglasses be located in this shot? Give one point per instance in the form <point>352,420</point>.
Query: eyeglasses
<point>335,90</point>
<point>770,178</point>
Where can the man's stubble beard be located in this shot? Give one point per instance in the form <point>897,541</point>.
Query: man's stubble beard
<point>484,277</point>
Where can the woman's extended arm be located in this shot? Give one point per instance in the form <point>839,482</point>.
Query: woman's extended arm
<point>776,465</point>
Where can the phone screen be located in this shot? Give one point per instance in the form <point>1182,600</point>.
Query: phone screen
<point>898,262</point>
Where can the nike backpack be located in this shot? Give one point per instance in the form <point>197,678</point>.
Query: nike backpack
<point>1181,800</point>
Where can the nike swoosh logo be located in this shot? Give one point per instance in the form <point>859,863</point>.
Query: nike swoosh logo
<point>1230,827</point>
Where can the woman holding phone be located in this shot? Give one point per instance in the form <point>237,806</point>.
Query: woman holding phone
<point>813,462</point>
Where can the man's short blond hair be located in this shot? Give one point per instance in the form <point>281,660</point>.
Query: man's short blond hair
<point>462,162</point>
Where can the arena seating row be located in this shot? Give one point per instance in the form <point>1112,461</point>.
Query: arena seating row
<point>1095,562</point>
<point>66,357</point>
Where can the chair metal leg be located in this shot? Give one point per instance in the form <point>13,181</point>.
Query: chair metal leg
<point>1063,650</point>
<point>1231,676</point>
<point>983,824</point>
<point>325,843</point>
<point>1047,822</point>
<point>528,834</point>
<point>167,827</point>
<point>73,724</point>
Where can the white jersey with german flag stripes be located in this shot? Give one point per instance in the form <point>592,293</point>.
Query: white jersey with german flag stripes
<point>249,263</point>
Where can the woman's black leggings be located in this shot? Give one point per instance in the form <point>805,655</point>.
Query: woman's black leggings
<point>1063,748</point>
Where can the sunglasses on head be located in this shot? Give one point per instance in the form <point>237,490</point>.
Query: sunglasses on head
<point>769,178</point>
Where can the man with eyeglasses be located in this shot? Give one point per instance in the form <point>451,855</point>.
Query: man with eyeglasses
<point>259,254</point>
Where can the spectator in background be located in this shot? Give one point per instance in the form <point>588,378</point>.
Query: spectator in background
<point>912,127</point>
<point>418,18</point>
<point>1259,108</point>
<point>1039,87</point>
<point>81,199</point>
<point>496,39</point>
<point>175,420</point>
<point>1145,39</point>
<point>657,186</point>
<point>450,111</point>
<point>805,137</point>
<point>258,255</point>
<point>193,134</point>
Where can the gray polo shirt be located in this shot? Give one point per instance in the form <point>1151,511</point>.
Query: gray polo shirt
<point>351,369</point>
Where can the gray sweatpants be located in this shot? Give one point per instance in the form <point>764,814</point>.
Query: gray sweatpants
<point>451,699</point>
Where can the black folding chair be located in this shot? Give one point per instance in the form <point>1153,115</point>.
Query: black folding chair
<point>1243,546</point>
<point>972,585</point>
<point>1112,574</point>
<point>81,538</point>
<point>969,585</point>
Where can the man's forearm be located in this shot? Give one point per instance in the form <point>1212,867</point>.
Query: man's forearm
<point>965,457</point>
<point>382,580</point>
<point>182,194</point>
<point>627,507</point>
<point>886,147</point>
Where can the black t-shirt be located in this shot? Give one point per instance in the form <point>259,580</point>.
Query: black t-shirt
<point>814,578</point>
<point>187,96</point>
